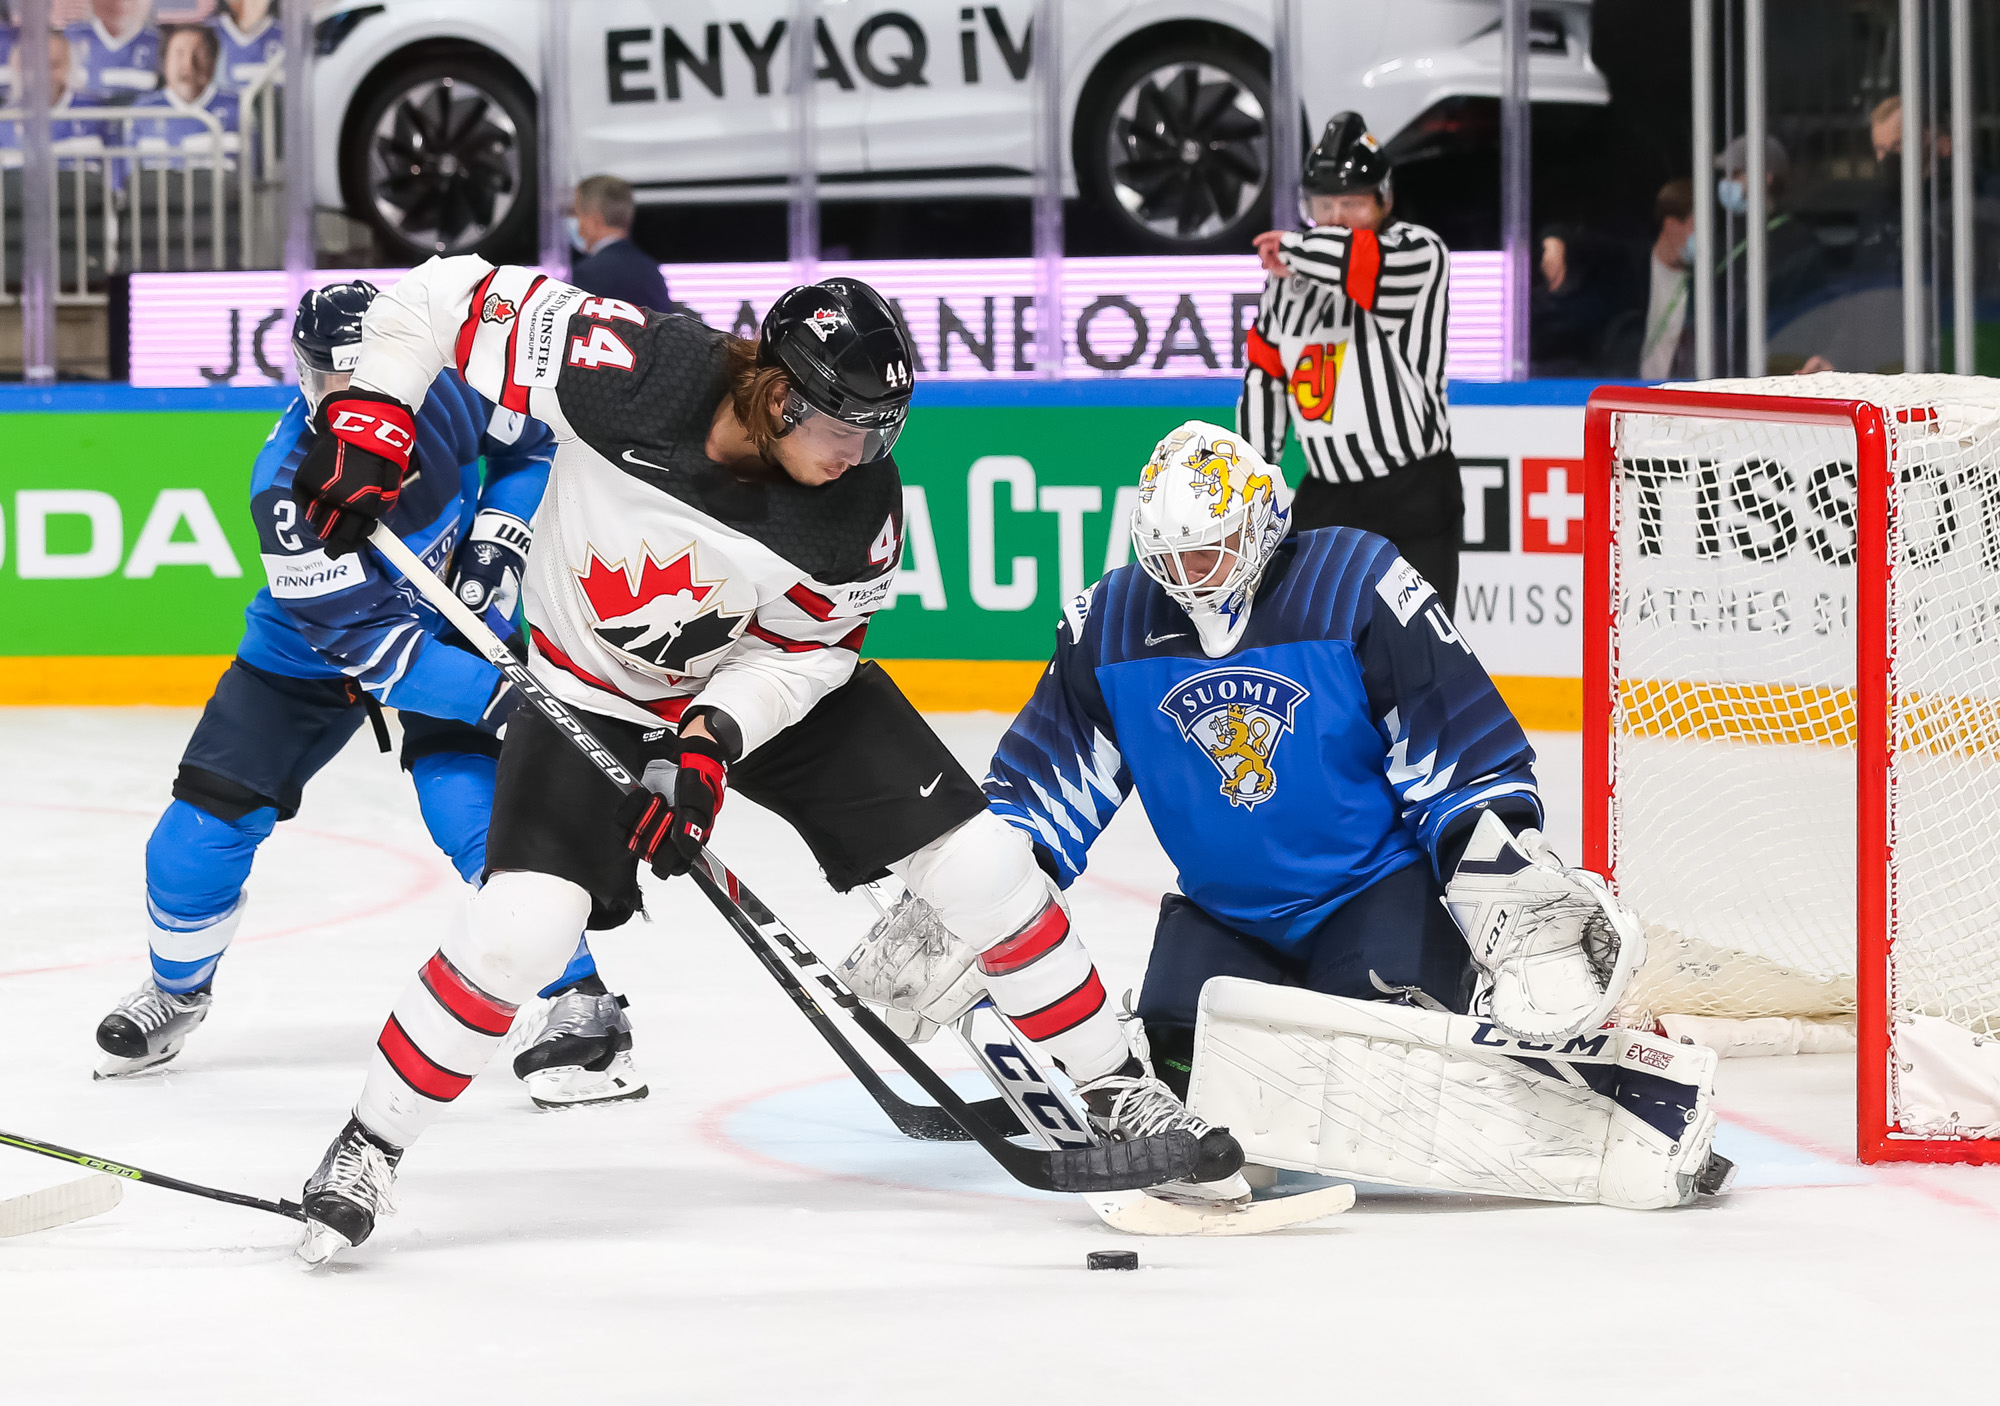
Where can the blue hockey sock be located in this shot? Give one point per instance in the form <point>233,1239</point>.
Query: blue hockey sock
<point>196,866</point>
<point>455,793</point>
<point>581,966</point>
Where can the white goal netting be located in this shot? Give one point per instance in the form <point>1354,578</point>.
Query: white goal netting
<point>1734,764</point>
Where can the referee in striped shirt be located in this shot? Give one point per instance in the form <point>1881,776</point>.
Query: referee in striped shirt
<point>1348,348</point>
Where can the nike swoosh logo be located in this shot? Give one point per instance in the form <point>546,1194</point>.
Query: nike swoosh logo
<point>926,790</point>
<point>632,458</point>
<point>1152,640</point>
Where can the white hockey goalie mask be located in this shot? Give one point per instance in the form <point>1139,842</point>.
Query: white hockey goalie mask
<point>1210,514</point>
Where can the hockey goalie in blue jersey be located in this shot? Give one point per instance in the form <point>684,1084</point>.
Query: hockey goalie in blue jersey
<point>1349,803</point>
<point>330,642</point>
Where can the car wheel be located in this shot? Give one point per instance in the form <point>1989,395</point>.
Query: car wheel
<point>1174,145</point>
<point>440,159</point>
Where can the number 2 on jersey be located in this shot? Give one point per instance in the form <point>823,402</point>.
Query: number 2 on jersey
<point>603,348</point>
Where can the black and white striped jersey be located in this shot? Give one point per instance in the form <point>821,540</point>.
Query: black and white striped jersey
<point>1349,350</point>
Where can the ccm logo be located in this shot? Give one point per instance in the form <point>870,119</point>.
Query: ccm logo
<point>353,424</point>
<point>1657,1059</point>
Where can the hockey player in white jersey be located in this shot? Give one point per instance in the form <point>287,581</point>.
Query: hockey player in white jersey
<point>1353,813</point>
<point>721,521</point>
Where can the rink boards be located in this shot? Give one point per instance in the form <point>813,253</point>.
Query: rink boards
<point>127,553</point>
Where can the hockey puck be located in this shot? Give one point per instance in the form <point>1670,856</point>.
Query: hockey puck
<point>1111,1259</point>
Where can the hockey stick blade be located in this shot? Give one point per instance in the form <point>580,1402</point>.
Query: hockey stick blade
<point>1136,1213</point>
<point>60,1205</point>
<point>289,1209</point>
<point>1118,1166</point>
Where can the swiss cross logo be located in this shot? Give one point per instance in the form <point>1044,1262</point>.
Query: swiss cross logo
<point>1552,505</point>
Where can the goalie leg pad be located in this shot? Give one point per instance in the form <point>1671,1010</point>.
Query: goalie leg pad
<point>1390,1094</point>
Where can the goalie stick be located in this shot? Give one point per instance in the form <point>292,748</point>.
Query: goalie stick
<point>1109,1167</point>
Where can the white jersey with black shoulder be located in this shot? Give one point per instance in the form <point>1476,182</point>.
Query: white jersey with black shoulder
<point>1349,350</point>
<point>658,576</point>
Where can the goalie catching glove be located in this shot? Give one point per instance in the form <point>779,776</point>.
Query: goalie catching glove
<point>350,478</point>
<point>1556,945</point>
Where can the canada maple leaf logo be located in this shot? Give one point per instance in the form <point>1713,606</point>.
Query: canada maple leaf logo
<point>496,309</point>
<point>662,616</point>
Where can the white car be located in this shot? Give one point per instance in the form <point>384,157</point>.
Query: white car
<point>426,108</point>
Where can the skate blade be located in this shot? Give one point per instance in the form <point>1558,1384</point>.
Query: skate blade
<point>60,1205</point>
<point>570,1086</point>
<point>318,1246</point>
<point>116,1068</point>
<point>1137,1213</point>
<point>1231,1192</point>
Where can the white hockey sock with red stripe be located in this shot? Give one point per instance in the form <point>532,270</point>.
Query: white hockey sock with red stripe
<point>1045,983</point>
<point>518,934</point>
<point>983,881</point>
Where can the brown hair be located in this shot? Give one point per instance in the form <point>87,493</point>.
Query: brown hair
<point>1675,201</point>
<point>750,387</point>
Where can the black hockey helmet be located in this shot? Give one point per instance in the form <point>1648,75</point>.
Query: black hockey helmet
<point>326,335</point>
<point>847,355</point>
<point>1346,161</point>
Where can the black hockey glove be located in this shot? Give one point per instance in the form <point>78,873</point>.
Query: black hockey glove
<point>351,476</point>
<point>668,837</point>
<point>500,707</point>
<point>492,561</point>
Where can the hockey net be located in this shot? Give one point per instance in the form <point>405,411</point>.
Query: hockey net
<point>1792,714</point>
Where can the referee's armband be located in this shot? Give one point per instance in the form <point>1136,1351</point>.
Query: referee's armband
<point>1364,268</point>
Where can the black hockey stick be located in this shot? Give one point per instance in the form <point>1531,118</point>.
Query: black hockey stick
<point>289,1209</point>
<point>1140,1162</point>
<point>1107,1166</point>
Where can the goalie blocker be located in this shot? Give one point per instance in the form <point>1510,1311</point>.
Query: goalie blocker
<point>1325,1084</point>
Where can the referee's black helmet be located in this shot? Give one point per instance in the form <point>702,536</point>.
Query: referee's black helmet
<point>1347,161</point>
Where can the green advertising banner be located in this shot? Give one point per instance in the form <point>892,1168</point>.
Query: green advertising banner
<point>128,533</point>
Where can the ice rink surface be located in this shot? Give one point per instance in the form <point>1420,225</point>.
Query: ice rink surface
<point>755,1232</point>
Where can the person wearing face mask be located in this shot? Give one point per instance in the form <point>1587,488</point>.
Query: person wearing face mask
<point>1795,270</point>
<point>1667,353</point>
<point>608,263</point>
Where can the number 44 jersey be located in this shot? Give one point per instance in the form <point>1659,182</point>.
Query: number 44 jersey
<point>1349,734</point>
<point>657,574</point>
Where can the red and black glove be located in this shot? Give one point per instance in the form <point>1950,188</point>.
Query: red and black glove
<point>668,837</point>
<point>351,476</point>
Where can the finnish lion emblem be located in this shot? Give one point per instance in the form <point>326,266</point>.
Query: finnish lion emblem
<point>1237,716</point>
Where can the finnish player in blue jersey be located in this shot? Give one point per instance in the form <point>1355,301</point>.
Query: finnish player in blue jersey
<point>1353,812</point>
<point>330,642</point>
<point>1314,741</point>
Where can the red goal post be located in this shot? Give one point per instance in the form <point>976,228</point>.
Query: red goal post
<point>1718,731</point>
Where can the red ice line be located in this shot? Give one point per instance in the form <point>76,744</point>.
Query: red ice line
<point>425,880</point>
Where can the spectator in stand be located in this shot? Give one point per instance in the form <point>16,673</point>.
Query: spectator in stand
<point>69,135</point>
<point>1795,271</point>
<point>1584,308</point>
<point>10,35</point>
<point>1667,353</point>
<point>173,117</point>
<point>613,266</point>
<point>252,42</point>
<point>115,53</point>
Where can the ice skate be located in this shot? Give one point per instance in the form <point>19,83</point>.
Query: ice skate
<point>582,1053</point>
<point>348,1194</point>
<point>1131,1103</point>
<point>147,1029</point>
